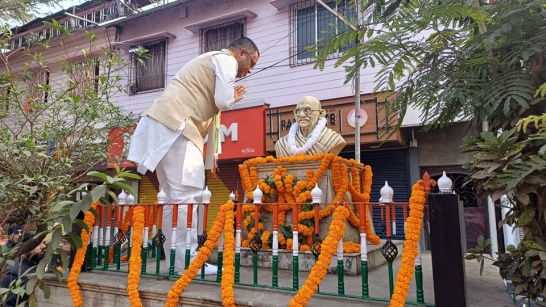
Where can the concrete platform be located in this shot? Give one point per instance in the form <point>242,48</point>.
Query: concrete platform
<point>307,259</point>
<point>109,289</point>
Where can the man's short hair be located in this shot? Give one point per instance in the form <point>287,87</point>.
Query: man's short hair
<point>244,42</point>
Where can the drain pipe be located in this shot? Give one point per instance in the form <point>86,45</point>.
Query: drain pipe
<point>492,228</point>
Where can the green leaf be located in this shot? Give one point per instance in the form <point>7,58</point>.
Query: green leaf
<point>75,240</point>
<point>99,175</point>
<point>75,209</point>
<point>124,186</point>
<point>98,192</point>
<point>129,175</point>
<point>534,245</point>
<point>45,288</point>
<point>58,206</point>
<point>526,217</point>
<point>480,240</point>
<point>31,284</point>
<point>40,269</point>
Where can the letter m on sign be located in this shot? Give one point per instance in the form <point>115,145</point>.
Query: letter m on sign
<point>232,130</point>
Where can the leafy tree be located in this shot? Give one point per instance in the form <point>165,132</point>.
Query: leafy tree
<point>467,60</point>
<point>23,10</point>
<point>54,124</point>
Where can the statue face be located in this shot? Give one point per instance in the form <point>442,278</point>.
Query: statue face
<point>307,113</point>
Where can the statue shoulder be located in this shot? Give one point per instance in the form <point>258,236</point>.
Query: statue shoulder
<point>281,146</point>
<point>332,140</point>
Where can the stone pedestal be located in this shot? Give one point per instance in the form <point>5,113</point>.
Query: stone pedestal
<point>298,169</point>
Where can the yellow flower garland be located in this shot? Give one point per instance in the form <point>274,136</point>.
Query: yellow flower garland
<point>135,261</point>
<point>204,252</point>
<point>413,233</point>
<point>79,258</point>
<point>328,249</point>
<point>228,274</point>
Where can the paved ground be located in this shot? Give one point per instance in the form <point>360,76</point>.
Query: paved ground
<point>483,291</point>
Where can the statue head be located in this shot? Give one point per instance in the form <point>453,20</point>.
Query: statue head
<point>307,113</point>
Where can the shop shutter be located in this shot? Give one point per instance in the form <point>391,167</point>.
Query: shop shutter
<point>148,189</point>
<point>227,181</point>
<point>391,166</point>
<point>220,194</point>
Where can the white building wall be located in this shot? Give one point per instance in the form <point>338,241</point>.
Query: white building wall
<point>279,85</point>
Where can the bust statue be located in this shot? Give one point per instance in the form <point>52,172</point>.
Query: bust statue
<point>309,134</point>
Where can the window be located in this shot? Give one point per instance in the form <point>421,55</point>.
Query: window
<point>148,73</point>
<point>5,93</point>
<point>37,91</point>
<point>219,36</point>
<point>311,23</point>
<point>85,77</point>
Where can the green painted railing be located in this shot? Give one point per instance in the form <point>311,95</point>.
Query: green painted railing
<point>114,238</point>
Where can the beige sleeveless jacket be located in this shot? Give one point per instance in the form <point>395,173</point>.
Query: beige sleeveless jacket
<point>189,97</point>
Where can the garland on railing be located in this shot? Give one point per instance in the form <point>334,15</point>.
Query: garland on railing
<point>79,258</point>
<point>285,189</point>
<point>135,261</point>
<point>228,274</point>
<point>328,250</point>
<point>413,234</point>
<point>204,252</point>
<point>367,176</point>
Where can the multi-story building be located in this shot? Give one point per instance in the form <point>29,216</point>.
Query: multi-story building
<point>174,32</point>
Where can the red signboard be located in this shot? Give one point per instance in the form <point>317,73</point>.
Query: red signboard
<point>118,146</point>
<point>242,133</point>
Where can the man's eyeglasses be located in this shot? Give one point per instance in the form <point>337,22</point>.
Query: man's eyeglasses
<point>306,110</point>
<point>252,64</point>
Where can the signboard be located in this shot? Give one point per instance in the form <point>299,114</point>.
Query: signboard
<point>118,147</point>
<point>241,133</point>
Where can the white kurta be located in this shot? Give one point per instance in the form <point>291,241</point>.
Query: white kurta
<point>179,163</point>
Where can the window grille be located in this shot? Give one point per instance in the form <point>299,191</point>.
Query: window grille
<point>466,190</point>
<point>36,93</point>
<point>85,77</point>
<point>313,25</point>
<point>148,70</point>
<point>219,36</point>
<point>5,93</point>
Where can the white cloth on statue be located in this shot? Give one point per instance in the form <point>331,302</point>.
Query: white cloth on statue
<point>171,171</point>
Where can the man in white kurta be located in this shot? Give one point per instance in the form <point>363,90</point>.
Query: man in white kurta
<point>169,136</point>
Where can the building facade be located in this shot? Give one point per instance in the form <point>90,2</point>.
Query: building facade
<point>174,32</point>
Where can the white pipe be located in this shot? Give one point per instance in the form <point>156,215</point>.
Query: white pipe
<point>492,228</point>
<point>507,230</point>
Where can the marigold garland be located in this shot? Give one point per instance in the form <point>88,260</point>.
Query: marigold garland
<point>228,274</point>
<point>79,258</point>
<point>289,190</point>
<point>328,249</point>
<point>413,234</point>
<point>204,252</point>
<point>136,260</point>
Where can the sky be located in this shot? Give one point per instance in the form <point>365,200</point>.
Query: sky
<point>48,10</point>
